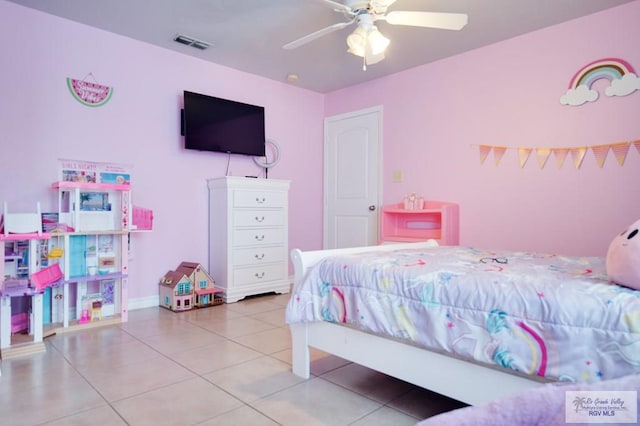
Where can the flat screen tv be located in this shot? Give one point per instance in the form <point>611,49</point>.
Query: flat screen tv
<point>222,125</point>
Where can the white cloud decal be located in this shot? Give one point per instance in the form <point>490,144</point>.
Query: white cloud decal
<point>578,96</point>
<point>629,83</point>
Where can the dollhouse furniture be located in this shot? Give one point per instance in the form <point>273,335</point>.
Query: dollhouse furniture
<point>540,318</point>
<point>142,219</point>
<point>21,223</point>
<point>96,309</point>
<point>436,220</point>
<point>248,236</point>
<point>19,322</point>
<point>46,277</point>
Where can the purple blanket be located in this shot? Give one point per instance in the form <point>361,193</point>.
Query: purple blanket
<point>544,406</point>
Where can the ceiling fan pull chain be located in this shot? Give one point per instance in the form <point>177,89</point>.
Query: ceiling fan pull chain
<point>364,63</point>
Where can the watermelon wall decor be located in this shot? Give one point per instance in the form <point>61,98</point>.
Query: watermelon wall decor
<point>89,94</point>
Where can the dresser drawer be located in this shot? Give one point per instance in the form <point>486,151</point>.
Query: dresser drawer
<point>258,256</point>
<point>258,274</point>
<point>255,198</point>
<point>258,218</point>
<point>256,237</point>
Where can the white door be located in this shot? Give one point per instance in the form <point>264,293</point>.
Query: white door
<point>352,167</point>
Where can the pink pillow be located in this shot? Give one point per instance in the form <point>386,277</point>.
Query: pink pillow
<point>623,257</point>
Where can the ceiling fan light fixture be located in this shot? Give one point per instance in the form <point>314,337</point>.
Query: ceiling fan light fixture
<point>367,40</point>
<point>357,41</point>
<point>376,41</point>
<point>371,58</point>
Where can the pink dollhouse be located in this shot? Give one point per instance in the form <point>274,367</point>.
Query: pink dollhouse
<point>203,284</point>
<point>176,291</point>
<point>189,286</point>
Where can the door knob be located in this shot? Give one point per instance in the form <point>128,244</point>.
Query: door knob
<point>372,208</point>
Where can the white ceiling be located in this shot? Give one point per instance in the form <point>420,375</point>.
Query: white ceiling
<point>248,35</point>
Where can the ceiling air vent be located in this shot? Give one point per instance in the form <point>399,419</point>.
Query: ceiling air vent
<point>190,41</point>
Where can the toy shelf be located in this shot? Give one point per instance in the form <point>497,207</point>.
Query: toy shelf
<point>437,220</point>
<point>21,237</point>
<point>97,277</point>
<point>95,186</point>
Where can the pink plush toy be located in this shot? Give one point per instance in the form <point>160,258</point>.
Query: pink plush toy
<point>623,257</point>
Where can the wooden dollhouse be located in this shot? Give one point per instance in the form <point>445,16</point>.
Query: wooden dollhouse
<point>189,286</point>
<point>203,285</point>
<point>176,291</point>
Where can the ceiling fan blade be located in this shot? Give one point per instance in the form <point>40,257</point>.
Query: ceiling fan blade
<point>381,3</point>
<point>317,34</point>
<point>445,21</point>
<point>339,7</point>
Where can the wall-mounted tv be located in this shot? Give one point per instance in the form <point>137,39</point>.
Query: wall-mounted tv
<point>222,125</point>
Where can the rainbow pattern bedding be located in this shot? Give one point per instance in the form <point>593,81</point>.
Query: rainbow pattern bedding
<point>545,315</point>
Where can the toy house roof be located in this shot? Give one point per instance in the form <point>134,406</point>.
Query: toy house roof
<point>189,268</point>
<point>173,278</point>
<point>188,265</point>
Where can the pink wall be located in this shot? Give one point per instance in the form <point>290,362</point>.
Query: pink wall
<point>502,94</point>
<point>508,94</point>
<point>40,122</point>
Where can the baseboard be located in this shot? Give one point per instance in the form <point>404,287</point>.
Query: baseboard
<point>154,301</point>
<point>144,302</point>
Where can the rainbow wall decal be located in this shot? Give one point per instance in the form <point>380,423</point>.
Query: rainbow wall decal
<point>620,74</point>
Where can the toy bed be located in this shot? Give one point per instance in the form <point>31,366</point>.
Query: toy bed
<point>472,324</point>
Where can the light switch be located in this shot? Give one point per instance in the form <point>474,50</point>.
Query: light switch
<point>396,177</point>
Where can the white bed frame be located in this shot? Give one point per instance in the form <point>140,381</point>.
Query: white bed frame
<point>464,381</point>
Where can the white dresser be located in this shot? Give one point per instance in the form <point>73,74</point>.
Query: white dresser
<point>248,236</point>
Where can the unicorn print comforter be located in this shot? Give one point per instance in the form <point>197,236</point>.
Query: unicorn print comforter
<point>546,315</point>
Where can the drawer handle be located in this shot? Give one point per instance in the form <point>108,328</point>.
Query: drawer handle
<point>259,257</point>
<point>259,274</point>
<point>259,237</point>
<point>260,200</point>
<point>259,219</point>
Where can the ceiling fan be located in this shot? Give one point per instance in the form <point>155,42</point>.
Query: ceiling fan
<point>366,41</point>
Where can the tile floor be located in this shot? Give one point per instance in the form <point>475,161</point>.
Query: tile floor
<point>223,365</point>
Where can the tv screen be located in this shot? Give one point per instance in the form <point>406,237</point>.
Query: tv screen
<point>222,125</point>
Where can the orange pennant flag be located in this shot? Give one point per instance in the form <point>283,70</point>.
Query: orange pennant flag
<point>560,154</point>
<point>484,151</point>
<point>498,152</point>
<point>523,156</point>
<point>543,156</point>
<point>637,145</point>
<point>577,155</point>
<point>620,150</point>
<point>600,151</point>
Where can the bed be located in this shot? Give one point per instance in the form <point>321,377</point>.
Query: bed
<point>472,324</point>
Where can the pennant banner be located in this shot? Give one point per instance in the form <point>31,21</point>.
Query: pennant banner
<point>620,151</point>
<point>484,151</point>
<point>600,151</point>
<point>577,155</point>
<point>561,154</point>
<point>498,152</point>
<point>543,156</point>
<point>523,156</point>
